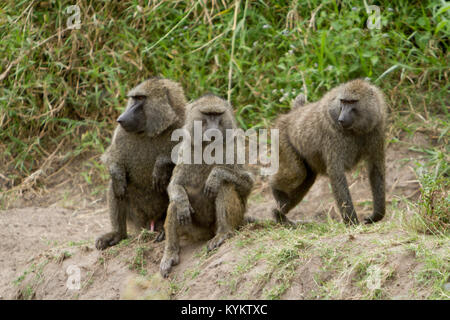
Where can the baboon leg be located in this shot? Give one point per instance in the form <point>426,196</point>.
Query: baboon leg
<point>159,226</point>
<point>118,213</point>
<point>229,215</point>
<point>285,201</point>
<point>241,179</point>
<point>377,184</point>
<point>172,245</point>
<point>162,171</point>
<point>342,195</point>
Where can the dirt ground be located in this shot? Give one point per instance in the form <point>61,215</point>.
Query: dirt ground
<point>41,239</point>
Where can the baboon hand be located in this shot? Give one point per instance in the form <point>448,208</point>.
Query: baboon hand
<point>211,187</point>
<point>160,182</point>
<point>119,188</point>
<point>184,210</point>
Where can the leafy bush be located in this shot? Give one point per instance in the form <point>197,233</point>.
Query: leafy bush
<point>65,87</point>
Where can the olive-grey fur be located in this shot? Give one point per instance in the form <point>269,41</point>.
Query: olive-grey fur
<point>313,141</point>
<point>206,200</point>
<point>139,163</point>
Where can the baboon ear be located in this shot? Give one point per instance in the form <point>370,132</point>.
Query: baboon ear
<point>160,114</point>
<point>299,101</point>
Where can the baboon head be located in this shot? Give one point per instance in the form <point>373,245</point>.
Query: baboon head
<point>355,107</point>
<point>153,106</point>
<point>213,112</point>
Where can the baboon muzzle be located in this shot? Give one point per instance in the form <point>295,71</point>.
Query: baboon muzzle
<point>133,119</point>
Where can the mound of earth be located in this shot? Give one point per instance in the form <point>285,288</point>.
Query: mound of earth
<point>45,250</point>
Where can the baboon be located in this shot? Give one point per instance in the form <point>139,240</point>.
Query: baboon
<point>139,158</point>
<point>330,137</point>
<point>205,199</point>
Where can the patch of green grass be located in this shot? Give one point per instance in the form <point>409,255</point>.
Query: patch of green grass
<point>31,279</point>
<point>436,270</point>
<point>28,293</point>
<point>432,215</point>
<point>139,261</point>
<point>124,243</point>
<point>78,243</point>
<point>19,279</point>
<point>349,262</point>
<point>68,86</point>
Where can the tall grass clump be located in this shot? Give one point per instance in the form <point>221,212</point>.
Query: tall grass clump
<point>433,207</point>
<point>62,88</point>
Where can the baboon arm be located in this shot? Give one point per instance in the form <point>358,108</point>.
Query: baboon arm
<point>176,192</point>
<point>342,195</point>
<point>119,179</point>
<point>161,172</point>
<point>179,198</point>
<point>377,183</point>
<point>242,180</point>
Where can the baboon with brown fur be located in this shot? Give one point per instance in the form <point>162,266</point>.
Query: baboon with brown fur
<point>330,137</point>
<point>205,199</point>
<point>139,158</point>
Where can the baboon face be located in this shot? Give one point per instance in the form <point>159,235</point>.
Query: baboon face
<point>348,112</point>
<point>149,109</point>
<point>355,112</point>
<point>214,113</point>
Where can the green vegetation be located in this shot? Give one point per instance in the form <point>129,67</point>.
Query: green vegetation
<point>63,88</point>
<point>337,263</point>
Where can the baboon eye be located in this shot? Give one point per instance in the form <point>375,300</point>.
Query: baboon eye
<point>348,101</point>
<point>139,98</point>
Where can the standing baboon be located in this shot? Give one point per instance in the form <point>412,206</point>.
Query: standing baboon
<point>330,137</point>
<point>139,158</point>
<point>205,199</point>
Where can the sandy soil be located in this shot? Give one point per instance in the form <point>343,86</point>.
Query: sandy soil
<point>39,242</point>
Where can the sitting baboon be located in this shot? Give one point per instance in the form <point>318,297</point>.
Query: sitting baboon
<point>139,158</point>
<point>205,199</point>
<point>330,137</point>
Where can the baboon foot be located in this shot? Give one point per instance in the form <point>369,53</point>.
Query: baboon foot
<point>108,240</point>
<point>282,219</point>
<point>161,236</point>
<point>372,219</point>
<point>248,219</point>
<point>218,240</point>
<point>353,221</point>
<point>169,260</point>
